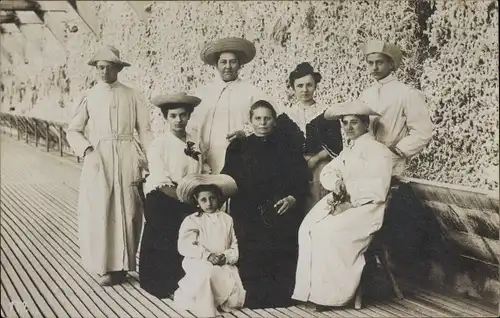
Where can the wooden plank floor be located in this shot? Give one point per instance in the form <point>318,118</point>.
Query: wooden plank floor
<point>41,275</point>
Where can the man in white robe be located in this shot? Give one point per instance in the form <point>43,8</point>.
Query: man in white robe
<point>405,125</point>
<point>109,205</point>
<point>338,230</point>
<point>224,111</point>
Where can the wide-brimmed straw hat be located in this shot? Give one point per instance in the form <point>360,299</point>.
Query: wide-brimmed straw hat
<point>189,183</point>
<point>171,101</point>
<point>389,49</point>
<point>356,107</point>
<point>244,48</point>
<point>107,53</point>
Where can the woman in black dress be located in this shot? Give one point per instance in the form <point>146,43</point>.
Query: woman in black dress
<point>171,156</point>
<point>272,178</point>
<point>323,137</point>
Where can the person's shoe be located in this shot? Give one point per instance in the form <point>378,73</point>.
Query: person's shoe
<point>118,277</point>
<point>322,308</point>
<point>105,280</point>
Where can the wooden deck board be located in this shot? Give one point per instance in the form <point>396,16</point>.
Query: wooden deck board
<point>55,243</point>
<point>132,303</point>
<point>57,286</point>
<point>41,265</point>
<point>70,284</point>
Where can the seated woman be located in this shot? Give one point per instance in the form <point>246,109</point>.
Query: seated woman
<point>323,138</point>
<point>337,231</point>
<point>272,179</point>
<point>171,156</point>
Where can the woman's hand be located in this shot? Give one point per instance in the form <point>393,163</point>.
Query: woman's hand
<point>235,135</point>
<point>339,187</point>
<point>213,258</point>
<point>341,207</point>
<point>222,260</point>
<point>312,162</point>
<point>285,204</point>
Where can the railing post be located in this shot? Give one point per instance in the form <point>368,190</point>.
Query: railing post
<point>36,133</point>
<point>17,128</point>
<point>60,141</point>
<point>47,140</point>
<point>27,131</point>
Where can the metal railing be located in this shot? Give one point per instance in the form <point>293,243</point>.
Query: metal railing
<point>50,134</point>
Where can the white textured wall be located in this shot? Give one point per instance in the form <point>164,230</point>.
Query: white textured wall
<point>462,91</point>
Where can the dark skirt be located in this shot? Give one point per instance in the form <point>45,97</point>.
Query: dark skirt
<point>160,267</point>
<point>268,253</point>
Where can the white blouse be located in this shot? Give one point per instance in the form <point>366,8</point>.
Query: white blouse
<point>168,163</point>
<point>302,114</point>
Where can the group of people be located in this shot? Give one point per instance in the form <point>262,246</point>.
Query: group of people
<point>245,203</point>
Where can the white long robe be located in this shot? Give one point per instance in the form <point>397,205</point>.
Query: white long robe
<point>109,207</point>
<point>205,286</point>
<point>331,247</point>
<point>405,121</point>
<point>168,163</point>
<point>224,109</point>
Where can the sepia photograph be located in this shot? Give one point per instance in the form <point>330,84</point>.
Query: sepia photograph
<point>240,159</point>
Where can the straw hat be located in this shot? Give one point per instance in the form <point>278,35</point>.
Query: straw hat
<point>245,49</point>
<point>190,182</point>
<point>389,49</point>
<point>356,107</point>
<point>172,101</point>
<point>107,53</point>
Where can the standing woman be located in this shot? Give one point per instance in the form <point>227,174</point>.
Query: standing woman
<point>323,137</point>
<point>272,178</point>
<point>171,156</point>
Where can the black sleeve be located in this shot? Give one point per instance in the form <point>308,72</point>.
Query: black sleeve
<point>233,161</point>
<point>322,132</point>
<point>290,133</point>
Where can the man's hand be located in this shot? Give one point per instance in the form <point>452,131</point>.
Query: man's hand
<point>87,151</point>
<point>235,135</point>
<point>285,204</point>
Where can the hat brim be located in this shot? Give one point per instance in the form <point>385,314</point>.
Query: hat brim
<point>93,62</point>
<point>245,49</point>
<point>175,101</point>
<point>349,108</point>
<point>186,187</point>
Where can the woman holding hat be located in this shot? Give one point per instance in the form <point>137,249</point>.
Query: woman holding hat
<point>337,231</point>
<point>272,178</point>
<point>208,243</point>
<point>323,137</point>
<point>171,156</point>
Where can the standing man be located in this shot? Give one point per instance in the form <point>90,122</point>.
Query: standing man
<point>224,111</point>
<point>109,207</point>
<point>405,125</point>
